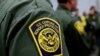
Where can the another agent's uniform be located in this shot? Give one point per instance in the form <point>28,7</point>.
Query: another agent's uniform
<point>74,32</point>
<point>28,28</point>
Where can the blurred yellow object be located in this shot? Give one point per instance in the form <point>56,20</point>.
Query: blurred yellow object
<point>80,27</point>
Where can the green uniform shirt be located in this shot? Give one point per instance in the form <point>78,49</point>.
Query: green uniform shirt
<point>75,38</point>
<point>29,28</point>
<point>64,16</point>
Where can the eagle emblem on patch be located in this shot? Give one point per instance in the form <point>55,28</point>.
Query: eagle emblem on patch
<point>47,36</point>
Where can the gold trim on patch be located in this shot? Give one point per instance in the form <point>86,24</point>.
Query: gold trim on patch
<point>60,40</point>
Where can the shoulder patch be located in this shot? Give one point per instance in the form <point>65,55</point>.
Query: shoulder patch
<point>80,27</point>
<point>47,36</point>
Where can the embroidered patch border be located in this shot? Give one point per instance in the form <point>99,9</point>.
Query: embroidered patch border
<point>44,29</point>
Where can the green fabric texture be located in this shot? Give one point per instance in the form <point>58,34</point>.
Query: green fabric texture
<point>15,18</point>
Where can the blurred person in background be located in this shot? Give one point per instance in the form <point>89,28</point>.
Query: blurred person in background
<point>91,25</point>
<point>74,31</point>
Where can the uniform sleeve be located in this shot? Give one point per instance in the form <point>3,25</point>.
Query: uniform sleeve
<point>83,35</point>
<point>24,42</point>
<point>76,41</point>
<point>20,41</point>
<point>8,10</point>
<point>28,30</point>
